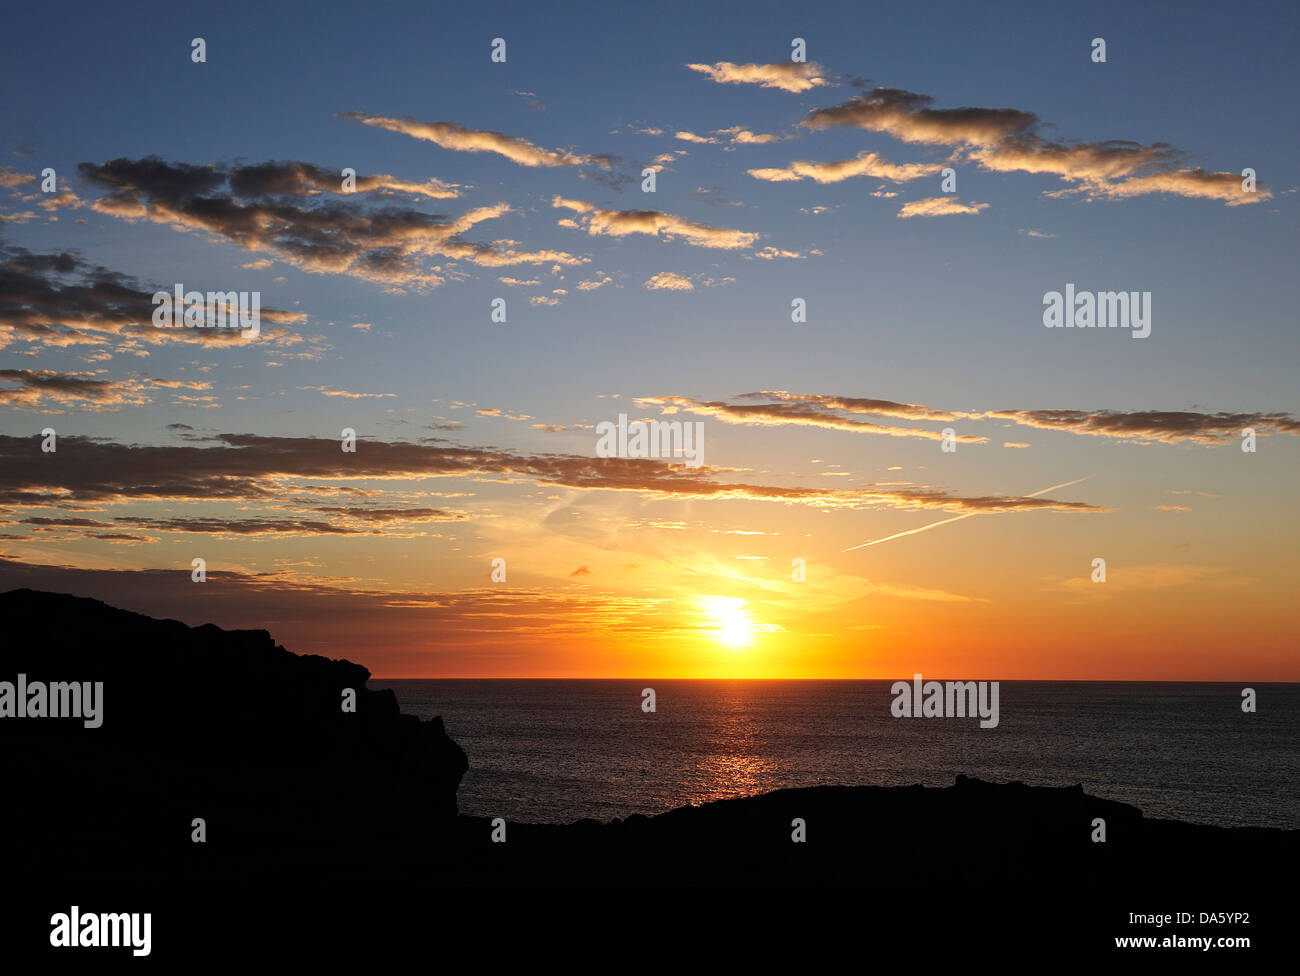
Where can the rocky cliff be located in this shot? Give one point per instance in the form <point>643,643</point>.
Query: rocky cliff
<point>224,726</point>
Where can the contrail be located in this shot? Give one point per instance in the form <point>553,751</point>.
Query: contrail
<point>957,518</point>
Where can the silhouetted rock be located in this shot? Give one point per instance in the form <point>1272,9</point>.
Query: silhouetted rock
<point>199,722</point>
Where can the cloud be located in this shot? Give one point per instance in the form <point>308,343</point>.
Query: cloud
<point>908,117</point>
<point>1166,426</point>
<point>591,284</point>
<point>251,469</point>
<point>745,137</point>
<point>530,99</point>
<point>292,178</point>
<point>1192,183</point>
<point>182,384</point>
<point>1008,140</point>
<point>264,208</point>
<point>735,135</point>
<point>14,178</point>
<point>669,281</point>
<point>34,388</point>
<point>222,526</point>
<point>811,405</point>
<point>394,514</point>
<point>60,300</point>
<point>790,76</point>
<point>449,135</point>
<point>619,223</point>
<point>939,207</point>
<point>812,411</point>
<point>699,140</point>
<point>506,414</point>
<point>351,520</point>
<point>330,391</point>
<point>864,164</point>
<point>958,518</point>
<point>779,407</point>
<point>44,521</point>
<point>712,196</point>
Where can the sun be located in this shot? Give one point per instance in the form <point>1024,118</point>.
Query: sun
<point>728,620</point>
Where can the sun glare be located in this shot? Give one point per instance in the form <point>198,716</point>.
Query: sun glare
<point>728,620</point>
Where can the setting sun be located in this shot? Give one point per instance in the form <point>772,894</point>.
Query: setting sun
<point>729,621</point>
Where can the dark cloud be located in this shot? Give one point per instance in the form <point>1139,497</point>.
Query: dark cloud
<point>1010,140</point>
<point>394,514</point>
<point>908,116</point>
<point>32,386</point>
<point>258,526</point>
<point>249,468</point>
<point>811,410</point>
<point>279,208</point>
<point>41,520</point>
<point>294,178</point>
<point>59,299</point>
<point>827,411</point>
<point>1169,426</point>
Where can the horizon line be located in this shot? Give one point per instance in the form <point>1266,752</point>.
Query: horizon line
<point>1072,681</point>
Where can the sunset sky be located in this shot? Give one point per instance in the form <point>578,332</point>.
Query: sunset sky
<point>775,180</point>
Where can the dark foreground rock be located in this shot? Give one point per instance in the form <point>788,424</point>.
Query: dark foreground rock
<point>973,836</point>
<point>199,722</point>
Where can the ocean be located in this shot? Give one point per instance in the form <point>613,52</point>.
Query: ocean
<point>555,751</point>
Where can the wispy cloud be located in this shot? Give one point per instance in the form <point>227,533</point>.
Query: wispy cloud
<point>619,223</point>
<point>253,469</point>
<point>864,164</point>
<point>788,76</point>
<point>939,207</point>
<point>780,407</point>
<point>1168,426</point>
<point>449,135</point>
<point>957,518</point>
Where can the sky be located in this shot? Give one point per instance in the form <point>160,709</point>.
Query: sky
<point>521,183</point>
